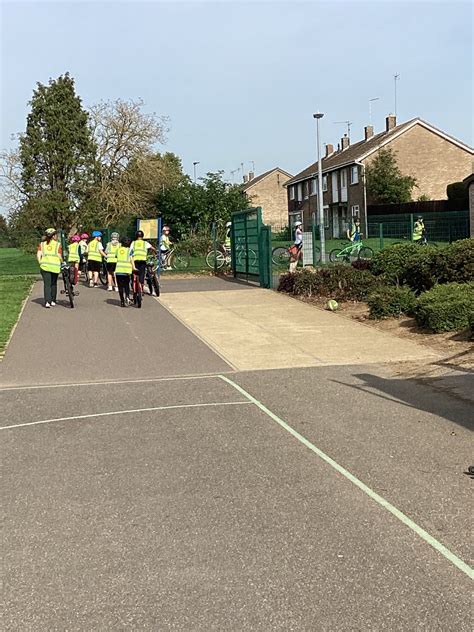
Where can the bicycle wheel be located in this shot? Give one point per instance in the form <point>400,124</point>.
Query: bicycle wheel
<point>280,256</point>
<point>68,290</point>
<point>215,258</point>
<point>156,284</point>
<point>334,255</point>
<point>179,261</point>
<point>103,274</point>
<point>365,253</point>
<point>317,258</point>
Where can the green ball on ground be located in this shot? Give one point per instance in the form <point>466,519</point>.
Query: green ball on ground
<point>332,305</point>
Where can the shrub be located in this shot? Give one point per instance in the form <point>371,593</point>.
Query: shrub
<point>448,307</point>
<point>456,262</point>
<point>196,245</point>
<point>341,282</point>
<point>388,301</point>
<point>391,261</point>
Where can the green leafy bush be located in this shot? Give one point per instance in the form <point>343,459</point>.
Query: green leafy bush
<point>389,301</point>
<point>196,245</point>
<point>341,282</point>
<point>391,261</point>
<point>456,262</point>
<point>448,307</point>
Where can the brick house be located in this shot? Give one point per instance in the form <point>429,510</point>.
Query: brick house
<point>268,191</point>
<point>469,182</point>
<point>423,151</point>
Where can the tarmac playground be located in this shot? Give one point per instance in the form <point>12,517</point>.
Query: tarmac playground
<point>171,468</point>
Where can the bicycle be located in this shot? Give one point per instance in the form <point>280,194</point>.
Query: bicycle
<point>281,256</point>
<point>175,260</point>
<point>68,274</point>
<point>103,275</point>
<point>424,241</point>
<point>151,276</point>
<point>137,290</point>
<point>219,258</point>
<point>352,252</point>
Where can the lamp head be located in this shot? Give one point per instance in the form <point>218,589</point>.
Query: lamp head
<point>318,115</point>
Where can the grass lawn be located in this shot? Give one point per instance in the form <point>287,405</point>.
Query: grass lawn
<point>13,290</point>
<point>15,261</point>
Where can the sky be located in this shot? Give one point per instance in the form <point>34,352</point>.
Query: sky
<point>240,81</point>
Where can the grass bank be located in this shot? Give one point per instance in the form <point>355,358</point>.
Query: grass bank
<point>13,291</point>
<point>16,262</point>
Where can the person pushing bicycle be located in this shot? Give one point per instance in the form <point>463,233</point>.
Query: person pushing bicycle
<point>139,252</point>
<point>165,246</point>
<point>296,249</point>
<point>353,233</point>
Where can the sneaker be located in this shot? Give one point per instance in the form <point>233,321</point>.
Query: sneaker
<point>122,303</point>
<point>47,305</point>
<point>53,303</point>
<point>91,283</point>
<point>115,289</point>
<point>110,289</point>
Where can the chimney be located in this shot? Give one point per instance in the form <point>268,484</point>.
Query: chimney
<point>251,175</point>
<point>329,150</point>
<point>369,131</point>
<point>390,122</point>
<point>345,142</point>
<point>246,179</point>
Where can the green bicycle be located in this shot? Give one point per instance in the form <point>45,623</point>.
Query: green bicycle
<point>353,252</point>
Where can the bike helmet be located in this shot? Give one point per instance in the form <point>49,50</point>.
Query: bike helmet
<point>139,234</point>
<point>298,224</point>
<point>84,236</point>
<point>49,232</point>
<point>96,233</point>
<point>126,241</point>
<point>75,238</point>
<point>166,228</point>
<point>114,236</point>
<point>228,225</point>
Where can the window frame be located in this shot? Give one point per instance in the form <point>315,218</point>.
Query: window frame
<point>343,178</point>
<point>299,192</point>
<point>355,169</point>
<point>325,183</point>
<point>314,186</point>
<point>292,192</point>
<point>306,189</point>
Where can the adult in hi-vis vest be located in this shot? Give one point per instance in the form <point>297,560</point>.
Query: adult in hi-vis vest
<point>111,252</point>
<point>123,270</point>
<point>50,258</point>
<point>95,254</point>
<point>139,251</point>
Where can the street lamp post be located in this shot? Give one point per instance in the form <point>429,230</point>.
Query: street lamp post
<point>194,167</point>
<point>317,116</point>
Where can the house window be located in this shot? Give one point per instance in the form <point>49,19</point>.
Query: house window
<point>292,193</point>
<point>325,183</point>
<point>306,190</point>
<point>299,195</point>
<point>314,186</point>
<point>355,210</point>
<point>326,216</point>
<point>343,179</point>
<point>354,174</point>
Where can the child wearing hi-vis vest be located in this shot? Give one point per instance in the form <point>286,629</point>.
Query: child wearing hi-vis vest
<point>123,270</point>
<point>74,255</point>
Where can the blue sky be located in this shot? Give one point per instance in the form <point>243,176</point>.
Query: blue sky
<point>241,80</point>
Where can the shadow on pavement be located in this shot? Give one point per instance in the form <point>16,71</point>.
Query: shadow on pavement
<point>423,394</point>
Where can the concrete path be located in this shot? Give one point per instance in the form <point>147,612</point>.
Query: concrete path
<point>258,329</point>
<point>180,494</point>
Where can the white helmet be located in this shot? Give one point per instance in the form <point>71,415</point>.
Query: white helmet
<point>298,224</point>
<point>228,225</point>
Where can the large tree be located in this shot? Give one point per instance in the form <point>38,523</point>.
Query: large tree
<point>57,157</point>
<point>385,182</point>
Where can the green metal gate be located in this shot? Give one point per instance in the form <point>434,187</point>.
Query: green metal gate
<point>251,247</point>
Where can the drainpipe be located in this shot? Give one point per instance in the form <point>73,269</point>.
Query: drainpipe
<point>366,227</point>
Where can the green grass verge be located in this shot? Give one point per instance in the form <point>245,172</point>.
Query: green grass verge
<point>15,261</point>
<point>13,291</point>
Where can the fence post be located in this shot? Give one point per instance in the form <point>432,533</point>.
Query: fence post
<point>265,256</point>
<point>381,235</point>
<point>214,245</point>
<point>313,239</point>
<point>412,224</point>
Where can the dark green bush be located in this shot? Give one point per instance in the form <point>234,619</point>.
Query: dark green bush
<point>389,301</point>
<point>196,245</point>
<point>391,261</point>
<point>341,282</point>
<point>456,262</point>
<point>448,307</point>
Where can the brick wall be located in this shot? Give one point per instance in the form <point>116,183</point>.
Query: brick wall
<point>471,209</point>
<point>271,195</point>
<point>431,159</point>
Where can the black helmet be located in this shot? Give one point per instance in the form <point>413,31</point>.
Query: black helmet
<point>139,234</point>
<point>126,241</point>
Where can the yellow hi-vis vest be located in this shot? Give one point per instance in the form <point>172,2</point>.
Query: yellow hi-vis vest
<point>73,255</point>
<point>93,251</point>
<point>139,250</point>
<point>111,251</point>
<point>50,259</point>
<point>124,265</point>
<point>418,231</point>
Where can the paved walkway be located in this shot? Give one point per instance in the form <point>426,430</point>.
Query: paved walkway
<point>258,329</point>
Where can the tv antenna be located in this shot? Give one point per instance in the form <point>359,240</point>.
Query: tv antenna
<point>348,123</point>
<point>370,108</point>
<point>232,172</point>
<point>396,78</point>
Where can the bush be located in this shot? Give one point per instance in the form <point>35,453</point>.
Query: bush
<point>389,301</point>
<point>448,307</point>
<point>196,245</point>
<point>456,262</point>
<point>391,261</point>
<point>341,282</point>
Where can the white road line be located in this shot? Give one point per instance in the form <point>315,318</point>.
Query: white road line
<point>171,378</point>
<point>125,412</point>
<point>420,532</point>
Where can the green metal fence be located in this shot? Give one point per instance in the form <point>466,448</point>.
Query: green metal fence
<point>246,226</point>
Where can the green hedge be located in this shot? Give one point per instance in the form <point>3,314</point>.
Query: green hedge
<point>389,301</point>
<point>341,282</point>
<point>448,307</point>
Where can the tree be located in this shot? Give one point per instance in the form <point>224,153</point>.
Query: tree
<point>385,182</point>
<point>57,157</point>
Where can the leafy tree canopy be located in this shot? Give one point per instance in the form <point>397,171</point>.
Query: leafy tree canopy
<point>385,182</point>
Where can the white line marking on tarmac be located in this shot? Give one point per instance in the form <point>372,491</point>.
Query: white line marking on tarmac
<point>198,376</point>
<point>124,412</point>
<point>424,535</point>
